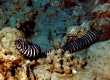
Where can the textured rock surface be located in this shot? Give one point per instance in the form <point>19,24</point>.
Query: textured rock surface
<point>102,20</point>
<point>12,65</point>
<point>97,66</point>
<point>98,59</point>
<point>52,19</point>
<point>76,32</point>
<point>54,22</point>
<point>58,64</point>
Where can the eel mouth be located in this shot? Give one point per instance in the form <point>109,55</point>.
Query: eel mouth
<point>16,42</point>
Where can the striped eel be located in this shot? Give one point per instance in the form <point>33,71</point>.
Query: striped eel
<point>32,51</point>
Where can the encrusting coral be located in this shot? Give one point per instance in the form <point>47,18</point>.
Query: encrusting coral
<point>60,64</point>
<point>12,64</point>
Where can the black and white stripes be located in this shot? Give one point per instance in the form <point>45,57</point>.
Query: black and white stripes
<point>29,51</point>
<point>34,51</point>
<point>83,42</point>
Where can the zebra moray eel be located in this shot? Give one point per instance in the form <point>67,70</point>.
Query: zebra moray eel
<point>34,51</point>
<point>29,51</point>
<point>84,42</point>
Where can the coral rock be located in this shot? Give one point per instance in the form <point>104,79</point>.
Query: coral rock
<point>102,20</point>
<point>76,32</point>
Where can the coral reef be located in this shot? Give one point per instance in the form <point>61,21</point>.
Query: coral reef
<point>102,20</point>
<point>51,17</point>
<point>76,32</point>
<point>27,27</point>
<point>60,64</point>
<point>3,18</point>
<point>12,64</point>
<point>70,3</point>
<point>54,23</point>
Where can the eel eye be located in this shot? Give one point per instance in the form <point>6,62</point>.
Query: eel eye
<point>16,42</point>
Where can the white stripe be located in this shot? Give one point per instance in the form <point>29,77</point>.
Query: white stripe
<point>25,52</point>
<point>37,49</point>
<point>34,52</point>
<point>30,54</point>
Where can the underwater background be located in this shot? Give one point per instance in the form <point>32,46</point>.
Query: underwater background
<point>51,24</point>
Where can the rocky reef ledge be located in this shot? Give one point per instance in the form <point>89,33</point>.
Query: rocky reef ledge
<point>59,65</point>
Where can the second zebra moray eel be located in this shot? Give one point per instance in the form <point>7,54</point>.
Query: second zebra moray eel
<point>32,51</point>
